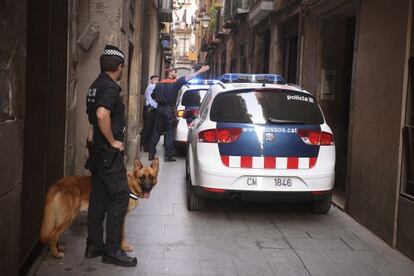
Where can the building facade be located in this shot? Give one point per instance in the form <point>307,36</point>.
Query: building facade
<point>184,47</point>
<point>356,58</point>
<point>49,56</point>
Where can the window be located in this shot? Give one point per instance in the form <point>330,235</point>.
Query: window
<point>193,98</point>
<point>184,46</point>
<point>233,65</point>
<point>258,106</point>
<point>204,105</point>
<point>132,15</point>
<point>223,62</point>
<point>243,58</point>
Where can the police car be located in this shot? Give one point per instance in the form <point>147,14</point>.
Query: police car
<point>257,138</point>
<point>188,104</point>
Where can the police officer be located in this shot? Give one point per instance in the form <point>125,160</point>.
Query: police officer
<point>110,192</point>
<point>166,96</point>
<point>149,113</point>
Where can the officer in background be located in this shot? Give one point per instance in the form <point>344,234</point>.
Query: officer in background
<point>170,75</point>
<point>110,192</point>
<point>149,113</point>
<point>165,94</point>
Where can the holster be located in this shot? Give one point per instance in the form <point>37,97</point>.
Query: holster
<point>100,157</point>
<point>106,156</point>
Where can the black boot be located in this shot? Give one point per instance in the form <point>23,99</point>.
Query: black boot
<point>93,251</point>
<point>151,157</point>
<point>169,159</point>
<point>120,259</point>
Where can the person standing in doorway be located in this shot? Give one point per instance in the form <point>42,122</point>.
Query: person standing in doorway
<point>165,94</point>
<point>110,192</point>
<point>149,113</point>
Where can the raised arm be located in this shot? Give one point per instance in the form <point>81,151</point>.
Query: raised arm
<point>203,69</point>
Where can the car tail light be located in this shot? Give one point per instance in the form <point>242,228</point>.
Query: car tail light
<point>221,136</point>
<point>315,137</point>
<point>180,113</point>
<point>317,193</point>
<point>214,190</point>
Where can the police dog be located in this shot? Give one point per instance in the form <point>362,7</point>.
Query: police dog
<point>69,195</point>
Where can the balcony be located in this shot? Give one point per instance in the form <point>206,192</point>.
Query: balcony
<point>233,11</point>
<point>260,11</point>
<point>165,9</point>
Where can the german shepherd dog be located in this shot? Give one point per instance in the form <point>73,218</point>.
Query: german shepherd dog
<point>69,195</point>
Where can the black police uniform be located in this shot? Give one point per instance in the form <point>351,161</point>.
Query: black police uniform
<point>149,121</point>
<point>165,94</point>
<point>110,192</point>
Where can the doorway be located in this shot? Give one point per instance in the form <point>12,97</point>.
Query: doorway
<point>266,51</point>
<point>45,116</point>
<point>290,40</point>
<point>337,58</point>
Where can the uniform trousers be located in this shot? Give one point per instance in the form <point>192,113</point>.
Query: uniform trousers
<point>110,196</point>
<point>164,119</point>
<point>149,121</point>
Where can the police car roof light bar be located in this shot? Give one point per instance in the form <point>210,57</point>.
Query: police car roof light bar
<point>203,82</point>
<point>252,78</point>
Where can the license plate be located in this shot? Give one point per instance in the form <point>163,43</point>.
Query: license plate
<point>278,183</point>
<point>283,182</point>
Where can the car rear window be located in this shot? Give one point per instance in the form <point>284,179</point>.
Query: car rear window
<point>265,106</point>
<point>193,97</point>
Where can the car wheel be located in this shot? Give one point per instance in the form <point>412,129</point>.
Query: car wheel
<point>322,206</point>
<point>194,202</point>
<point>180,148</point>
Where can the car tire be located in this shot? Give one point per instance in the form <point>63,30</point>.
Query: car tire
<point>194,202</point>
<point>322,206</point>
<point>180,148</point>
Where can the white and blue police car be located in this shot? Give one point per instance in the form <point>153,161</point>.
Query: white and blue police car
<point>187,107</point>
<point>258,138</point>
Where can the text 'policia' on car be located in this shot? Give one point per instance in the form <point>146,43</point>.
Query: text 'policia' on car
<point>258,138</point>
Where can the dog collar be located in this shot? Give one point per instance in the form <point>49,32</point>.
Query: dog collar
<point>133,196</point>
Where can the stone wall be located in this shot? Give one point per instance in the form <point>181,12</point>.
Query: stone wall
<point>12,97</point>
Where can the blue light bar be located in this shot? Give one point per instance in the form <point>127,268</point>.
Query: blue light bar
<point>252,78</point>
<point>203,82</point>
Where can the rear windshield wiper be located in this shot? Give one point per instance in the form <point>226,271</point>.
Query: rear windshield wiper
<point>278,121</point>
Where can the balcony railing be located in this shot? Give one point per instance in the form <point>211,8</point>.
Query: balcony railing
<point>165,9</point>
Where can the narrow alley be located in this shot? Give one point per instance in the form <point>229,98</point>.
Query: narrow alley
<point>302,100</point>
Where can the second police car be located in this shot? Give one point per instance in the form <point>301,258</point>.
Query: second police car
<point>188,104</point>
<point>257,138</point>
